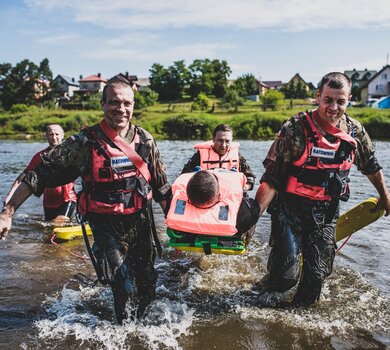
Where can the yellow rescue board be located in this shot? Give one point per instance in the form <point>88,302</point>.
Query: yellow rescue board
<point>66,233</point>
<point>356,218</point>
<point>213,251</point>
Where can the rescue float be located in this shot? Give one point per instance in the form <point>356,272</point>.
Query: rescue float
<point>66,233</point>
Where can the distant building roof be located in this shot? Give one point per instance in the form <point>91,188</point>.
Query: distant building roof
<point>360,74</point>
<point>375,75</point>
<point>272,83</point>
<point>69,80</point>
<point>297,75</point>
<point>93,78</point>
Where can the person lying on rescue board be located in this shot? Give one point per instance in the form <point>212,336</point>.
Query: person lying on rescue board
<point>212,202</point>
<point>220,152</point>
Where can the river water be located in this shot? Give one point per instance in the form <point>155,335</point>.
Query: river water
<point>204,302</point>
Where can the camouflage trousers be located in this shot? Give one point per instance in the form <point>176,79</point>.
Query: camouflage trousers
<point>302,251</point>
<point>125,255</point>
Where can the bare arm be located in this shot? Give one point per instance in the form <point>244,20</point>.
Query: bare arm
<point>378,181</point>
<point>14,186</point>
<point>22,192</point>
<point>264,195</point>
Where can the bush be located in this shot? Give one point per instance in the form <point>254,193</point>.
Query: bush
<point>183,126</point>
<point>232,100</point>
<point>19,108</point>
<point>272,99</point>
<point>201,103</point>
<point>145,97</point>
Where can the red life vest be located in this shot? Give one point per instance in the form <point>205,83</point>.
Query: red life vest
<point>219,220</point>
<point>209,159</point>
<point>114,185</point>
<point>321,173</point>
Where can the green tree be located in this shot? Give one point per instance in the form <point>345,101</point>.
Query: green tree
<point>232,100</point>
<point>247,85</point>
<point>221,72</point>
<point>272,99</point>
<point>201,103</point>
<point>300,91</point>
<point>145,97</point>
<point>169,82</point>
<point>25,83</point>
<point>208,77</point>
<point>200,78</point>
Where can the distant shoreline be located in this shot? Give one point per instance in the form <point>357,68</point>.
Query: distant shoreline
<point>249,123</point>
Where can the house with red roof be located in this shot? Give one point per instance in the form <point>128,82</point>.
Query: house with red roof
<point>92,84</point>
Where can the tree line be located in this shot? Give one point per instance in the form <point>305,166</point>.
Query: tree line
<point>32,84</point>
<point>26,83</point>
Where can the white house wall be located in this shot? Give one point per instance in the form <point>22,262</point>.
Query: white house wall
<point>379,86</point>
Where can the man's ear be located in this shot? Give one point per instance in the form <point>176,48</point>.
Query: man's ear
<point>318,94</point>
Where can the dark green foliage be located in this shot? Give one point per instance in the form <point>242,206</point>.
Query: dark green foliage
<point>201,103</point>
<point>26,83</point>
<point>169,82</point>
<point>256,127</point>
<point>232,100</point>
<point>208,77</point>
<point>19,108</point>
<point>247,85</point>
<point>145,98</point>
<point>272,99</point>
<point>188,127</point>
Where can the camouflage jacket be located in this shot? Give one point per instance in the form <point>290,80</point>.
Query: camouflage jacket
<point>72,159</point>
<point>291,143</point>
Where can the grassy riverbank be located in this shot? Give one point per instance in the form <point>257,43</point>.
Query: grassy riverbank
<point>176,121</point>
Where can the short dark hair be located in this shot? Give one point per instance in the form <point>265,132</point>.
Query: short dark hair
<point>117,80</point>
<point>203,188</point>
<point>221,127</point>
<point>335,80</point>
<point>52,124</point>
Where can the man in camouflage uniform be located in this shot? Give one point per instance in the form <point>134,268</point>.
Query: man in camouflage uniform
<point>222,138</point>
<point>123,244</point>
<point>303,227</point>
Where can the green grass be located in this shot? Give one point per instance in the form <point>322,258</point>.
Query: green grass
<point>176,121</point>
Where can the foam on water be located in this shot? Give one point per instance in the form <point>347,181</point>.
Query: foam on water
<point>348,303</point>
<point>71,316</point>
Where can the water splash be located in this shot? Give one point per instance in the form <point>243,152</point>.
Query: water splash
<point>85,316</point>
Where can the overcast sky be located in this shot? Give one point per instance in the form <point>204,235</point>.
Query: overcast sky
<point>272,39</point>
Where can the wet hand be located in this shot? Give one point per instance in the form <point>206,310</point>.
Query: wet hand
<point>5,224</point>
<point>384,203</point>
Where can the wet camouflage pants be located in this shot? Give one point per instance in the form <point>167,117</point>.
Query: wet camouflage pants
<point>124,250</point>
<point>302,251</point>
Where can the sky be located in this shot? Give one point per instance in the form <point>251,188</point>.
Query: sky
<point>271,39</point>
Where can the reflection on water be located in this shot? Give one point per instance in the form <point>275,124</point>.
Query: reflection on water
<point>203,301</point>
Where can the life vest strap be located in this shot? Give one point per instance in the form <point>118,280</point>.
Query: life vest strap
<point>127,150</point>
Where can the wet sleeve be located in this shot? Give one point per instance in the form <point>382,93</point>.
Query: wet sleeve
<point>365,159</point>
<point>289,145</point>
<point>58,167</point>
<point>191,164</point>
<point>159,183</point>
<point>245,168</point>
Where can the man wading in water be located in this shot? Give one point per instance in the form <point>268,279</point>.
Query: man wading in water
<point>305,178</point>
<point>120,166</point>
